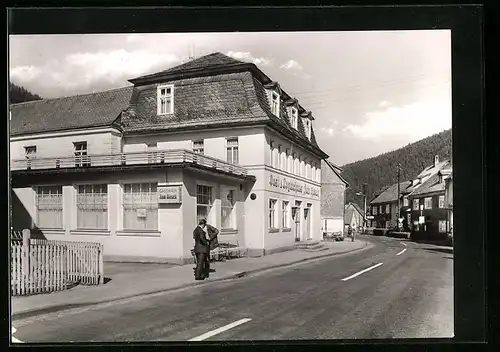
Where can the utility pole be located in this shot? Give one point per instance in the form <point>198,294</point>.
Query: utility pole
<point>398,211</point>
<point>364,215</point>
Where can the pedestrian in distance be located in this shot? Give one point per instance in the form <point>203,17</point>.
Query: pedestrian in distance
<point>350,232</point>
<point>201,249</point>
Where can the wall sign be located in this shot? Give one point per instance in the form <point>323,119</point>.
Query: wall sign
<point>141,213</point>
<point>296,187</point>
<point>169,194</point>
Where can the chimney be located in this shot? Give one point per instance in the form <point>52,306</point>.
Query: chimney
<point>436,160</point>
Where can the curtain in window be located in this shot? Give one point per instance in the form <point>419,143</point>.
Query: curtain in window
<point>140,206</point>
<point>227,207</point>
<point>92,207</point>
<point>203,202</point>
<point>49,207</point>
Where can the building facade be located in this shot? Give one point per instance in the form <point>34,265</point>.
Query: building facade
<point>136,168</point>
<point>384,207</point>
<point>353,216</point>
<point>333,187</point>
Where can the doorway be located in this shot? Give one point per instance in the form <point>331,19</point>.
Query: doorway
<point>307,222</point>
<point>296,222</point>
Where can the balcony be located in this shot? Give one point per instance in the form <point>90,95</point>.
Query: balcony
<point>158,158</point>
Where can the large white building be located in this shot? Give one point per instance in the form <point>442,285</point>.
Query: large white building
<point>135,168</point>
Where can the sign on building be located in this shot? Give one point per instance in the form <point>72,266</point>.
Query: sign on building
<point>169,194</point>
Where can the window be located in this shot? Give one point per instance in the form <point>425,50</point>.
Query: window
<point>441,202</point>
<point>228,215</point>
<point>313,172</point>
<point>308,169</point>
<point>416,203</point>
<point>374,210</point>
<point>199,147</point>
<point>204,202</point>
<point>428,203</point>
<point>30,152</point>
<point>307,126</point>
<point>81,158</point>
<point>380,209</point>
<point>92,207</point>
<point>318,176</point>
<point>405,201</point>
<point>49,206</point>
<point>294,117</point>
<point>302,171</point>
<point>442,226</point>
<point>272,213</point>
<point>295,164</point>
<point>387,208</point>
<point>165,100</point>
<point>283,160</point>
<point>140,206</point>
<point>278,157</point>
<point>289,161</point>
<point>232,150</point>
<point>275,103</point>
<point>285,221</point>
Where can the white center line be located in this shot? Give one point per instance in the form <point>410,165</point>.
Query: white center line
<point>219,330</point>
<point>402,251</point>
<point>13,338</point>
<point>404,244</point>
<point>362,271</point>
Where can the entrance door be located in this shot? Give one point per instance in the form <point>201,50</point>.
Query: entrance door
<point>307,222</point>
<point>296,223</point>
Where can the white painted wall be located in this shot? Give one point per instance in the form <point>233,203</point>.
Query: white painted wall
<point>99,141</point>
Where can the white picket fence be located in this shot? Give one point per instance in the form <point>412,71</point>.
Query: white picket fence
<point>40,266</point>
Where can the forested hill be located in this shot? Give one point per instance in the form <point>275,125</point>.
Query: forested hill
<point>381,171</point>
<point>19,94</point>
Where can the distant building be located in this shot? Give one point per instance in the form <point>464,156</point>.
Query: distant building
<point>429,214</point>
<point>333,187</point>
<point>135,168</point>
<point>353,215</point>
<point>383,207</point>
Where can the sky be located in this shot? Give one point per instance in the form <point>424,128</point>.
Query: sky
<point>370,92</point>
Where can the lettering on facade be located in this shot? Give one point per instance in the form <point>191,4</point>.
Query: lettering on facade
<point>293,186</point>
<point>169,194</point>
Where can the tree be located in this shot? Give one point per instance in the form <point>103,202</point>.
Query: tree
<point>18,94</point>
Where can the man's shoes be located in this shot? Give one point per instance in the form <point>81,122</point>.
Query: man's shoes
<point>212,270</point>
<point>199,278</point>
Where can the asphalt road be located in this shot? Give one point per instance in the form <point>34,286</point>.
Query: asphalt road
<point>409,295</point>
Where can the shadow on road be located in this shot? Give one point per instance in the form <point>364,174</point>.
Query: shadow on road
<point>441,250</point>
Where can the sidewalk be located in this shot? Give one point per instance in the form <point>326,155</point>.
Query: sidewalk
<point>134,283</point>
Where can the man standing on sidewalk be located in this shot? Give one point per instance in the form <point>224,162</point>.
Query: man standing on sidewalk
<point>201,249</point>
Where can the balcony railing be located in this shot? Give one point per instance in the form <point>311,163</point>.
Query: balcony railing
<point>123,159</point>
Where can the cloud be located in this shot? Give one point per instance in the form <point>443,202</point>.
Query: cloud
<point>79,72</point>
<point>291,65</point>
<point>331,130</point>
<point>247,56</point>
<point>413,121</point>
<point>295,69</point>
<point>25,73</point>
<point>384,104</point>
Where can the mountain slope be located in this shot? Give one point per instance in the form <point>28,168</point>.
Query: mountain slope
<point>381,171</point>
<point>19,94</point>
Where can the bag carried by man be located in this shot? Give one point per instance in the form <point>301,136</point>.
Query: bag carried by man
<point>212,235</point>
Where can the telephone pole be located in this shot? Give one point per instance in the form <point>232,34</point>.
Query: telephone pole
<point>398,205</point>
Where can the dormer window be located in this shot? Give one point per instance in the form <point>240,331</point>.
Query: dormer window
<point>165,99</point>
<point>307,127</point>
<point>275,103</point>
<point>294,116</point>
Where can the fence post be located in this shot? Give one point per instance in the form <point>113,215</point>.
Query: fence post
<point>101,264</point>
<point>26,259</point>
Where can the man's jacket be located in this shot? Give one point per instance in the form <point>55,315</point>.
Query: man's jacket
<point>201,244</point>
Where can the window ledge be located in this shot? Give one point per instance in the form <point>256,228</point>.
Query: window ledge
<point>228,231</point>
<point>139,233</point>
<point>273,230</point>
<point>286,229</point>
<point>47,230</point>
<point>95,232</point>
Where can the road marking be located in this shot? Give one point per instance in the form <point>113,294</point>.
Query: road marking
<point>404,250</point>
<point>219,330</point>
<point>404,244</point>
<point>362,272</point>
